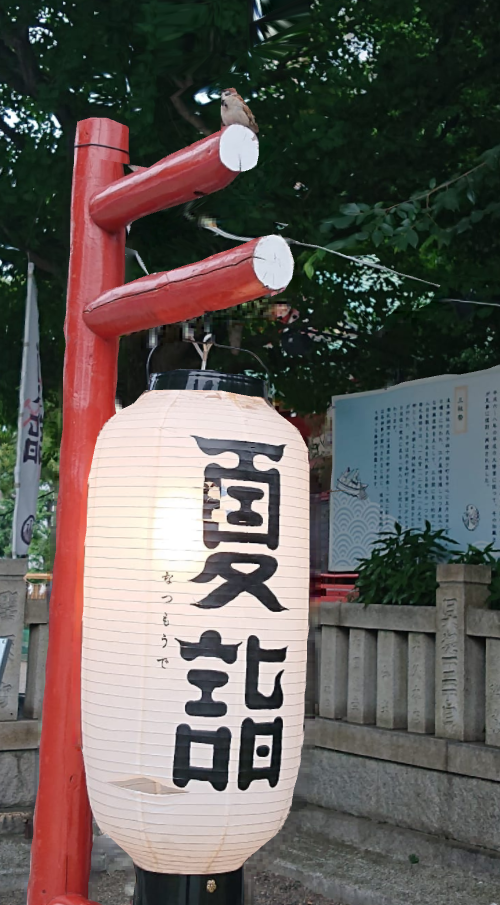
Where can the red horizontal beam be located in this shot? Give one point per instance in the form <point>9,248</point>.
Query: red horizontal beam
<point>201,169</point>
<point>258,268</point>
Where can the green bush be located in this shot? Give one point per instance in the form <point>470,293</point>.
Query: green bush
<point>401,569</point>
<point>475,557</point>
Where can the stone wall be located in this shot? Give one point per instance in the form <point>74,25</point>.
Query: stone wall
<point>408,730</point>
<point>451,806</point>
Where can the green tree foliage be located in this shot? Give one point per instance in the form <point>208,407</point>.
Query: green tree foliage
<point>141,63</point>
<point>379,136</point>
<point>41,547</point>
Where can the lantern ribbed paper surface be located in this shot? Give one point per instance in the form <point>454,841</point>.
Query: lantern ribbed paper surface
<point>195,627</point>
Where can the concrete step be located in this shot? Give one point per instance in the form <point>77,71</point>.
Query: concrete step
<point>355,877</point>
<point>323,863</point>
<point>397,842</point>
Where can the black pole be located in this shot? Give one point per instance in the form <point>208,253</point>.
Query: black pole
<point>192,889</point>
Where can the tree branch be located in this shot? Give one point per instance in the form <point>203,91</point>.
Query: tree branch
<point>38,260</point>
<point>12,255</point>
<point>9,73</point>
<point>43,263</point>
<point>19,43</point>
<point>193,118</point>
<point>20,70</point>
<point>437,188</point>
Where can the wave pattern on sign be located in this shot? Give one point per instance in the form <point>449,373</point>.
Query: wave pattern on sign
<point>356,525</point>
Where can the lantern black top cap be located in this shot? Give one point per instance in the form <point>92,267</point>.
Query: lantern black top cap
<point>187,379</point>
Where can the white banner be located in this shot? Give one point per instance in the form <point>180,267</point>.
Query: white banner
<point>29,429</point>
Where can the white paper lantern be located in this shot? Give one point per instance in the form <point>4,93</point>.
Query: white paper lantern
<point>195,627</point>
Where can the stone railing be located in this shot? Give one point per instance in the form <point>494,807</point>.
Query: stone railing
<point>21,693</point>
<point>20,609</point>
<point>415,685</point>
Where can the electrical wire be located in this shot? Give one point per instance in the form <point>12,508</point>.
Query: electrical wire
<point>6,512</point>
<point>360,260</point>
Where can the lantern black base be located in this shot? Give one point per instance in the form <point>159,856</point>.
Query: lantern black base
<point>185,379</point>
<point>192,889</point>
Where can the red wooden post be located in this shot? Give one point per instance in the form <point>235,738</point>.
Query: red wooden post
<point>99,309</point>
<point>62,843</point>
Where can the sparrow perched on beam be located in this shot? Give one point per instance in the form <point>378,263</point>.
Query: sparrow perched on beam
<point>234,110</point>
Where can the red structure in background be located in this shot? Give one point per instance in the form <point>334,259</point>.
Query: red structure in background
<point>99,310</point>
<point>301,424</point>
<point>332,587</point>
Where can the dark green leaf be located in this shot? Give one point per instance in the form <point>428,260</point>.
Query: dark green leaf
<point>350,210</point>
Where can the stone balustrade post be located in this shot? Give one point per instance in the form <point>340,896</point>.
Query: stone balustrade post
<point>334,671</point>
<point>493,691</point>
<point>460,659</point>
<point>35,678</point>
<point>392,680</point>
<point>362,677</point>
<point>12,600</point>
<point>421,683</point>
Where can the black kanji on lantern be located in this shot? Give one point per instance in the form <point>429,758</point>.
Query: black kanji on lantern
<point>260,742</point>
<point>254,699</point>
<point>240,484</point>
<point>207,680</point>
<point>209,645</point>
<point>249,748</point>
<point>235,581</point>
<point>184,770</point>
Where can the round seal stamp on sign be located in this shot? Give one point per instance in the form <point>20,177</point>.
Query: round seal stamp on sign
<point>471,517</point>
<point>27,529</point>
